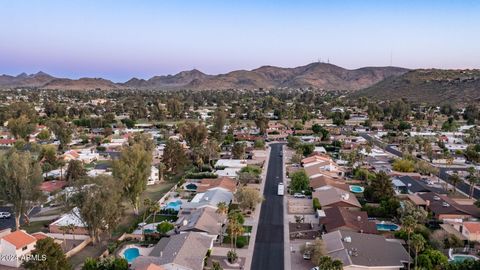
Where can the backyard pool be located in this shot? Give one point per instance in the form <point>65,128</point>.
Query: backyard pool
<point>462,257</point>
<point>389,227</point>
<point>175,205</point>
<point>131,254</point>
<point>356,189</point>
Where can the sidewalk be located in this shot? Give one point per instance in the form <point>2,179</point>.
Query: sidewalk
<point>251,245</point>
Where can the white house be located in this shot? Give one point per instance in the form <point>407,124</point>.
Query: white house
<point>154,176</point>
<point>14,246</point>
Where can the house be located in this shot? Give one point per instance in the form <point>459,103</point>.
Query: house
<point>365,251</point>
<point>211,198</point>
<point>338,218</point>
<point>223,182</point>
<point>330,197</point>
<point>184,251</point>
<point>154,176</point>
<point>14,246</point>
<point>71,218</point>
<point>442,207</point>
<point>204,220</point>
<point>323,181</point>
<point>317,165</point>
<point>471,230</point>
<point>7,142</point>
<point>408,185</point>
<point>230,163</point>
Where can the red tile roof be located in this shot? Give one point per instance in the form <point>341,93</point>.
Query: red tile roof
<point>19,239</point>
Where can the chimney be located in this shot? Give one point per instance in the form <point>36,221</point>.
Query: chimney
<point>359,218</point>
<point>428,202</point>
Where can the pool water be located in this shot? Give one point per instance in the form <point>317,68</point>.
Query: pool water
<point>387,227</point>
<point>461,258</point>
<point>356,189</point>
<point>131,254</point>
<point>174,205</point>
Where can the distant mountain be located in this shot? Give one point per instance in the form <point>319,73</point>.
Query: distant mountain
<point>431,86</point>
<point>25,80</point>
<point>315,75</point>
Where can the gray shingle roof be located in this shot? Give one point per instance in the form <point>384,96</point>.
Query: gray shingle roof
<point>368,250</point>
<point>187,250</point>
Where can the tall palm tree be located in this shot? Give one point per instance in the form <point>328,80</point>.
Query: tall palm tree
<point>409,224</point>
<point>472,179</point>
<point>154,208</point>
<point>455,179</point>
<point>418,244</point>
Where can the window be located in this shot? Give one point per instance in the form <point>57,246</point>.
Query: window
<point>24,248</point>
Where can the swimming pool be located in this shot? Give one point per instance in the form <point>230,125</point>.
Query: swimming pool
<point>131,254</point>
<point>462,257</point>
<point>388,227</point>
<point>356,189</point>
<point>175,205</point>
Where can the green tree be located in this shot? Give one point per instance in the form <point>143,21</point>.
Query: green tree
<point>418,243</point>
<point>238,150</point>
<point>75,171</point>
<point>248,197</point>
<point>132,170</point>
<point>98,203</point>
<point>473,179</point>
<point>165,227</point>
<point>300,181</point>
<point>327,263</point>
<point>62,131</point>
<point>21,127</point>
<point>380,188</point>
<point>174,156</point>
<point>219,120</point>
<point>194,134</point>
<point>403,165</point>
<point>52,252</point>
<point>409,223</point>
<point>455,179</point>
<point>20,178</point>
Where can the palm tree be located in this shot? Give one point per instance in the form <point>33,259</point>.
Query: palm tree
<point>455,179</point>
<point>154,208</point>
<point>222,208</point>
<point>418,244</point>
<point>409,224</point>
<point>472,179</point>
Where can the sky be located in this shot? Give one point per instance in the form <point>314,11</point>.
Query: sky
<point>119,40</point>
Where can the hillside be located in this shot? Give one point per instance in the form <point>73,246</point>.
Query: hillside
<point>432,86</point>
<point>315,75</point>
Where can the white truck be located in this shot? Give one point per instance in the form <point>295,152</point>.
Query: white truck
<point>281,189</point>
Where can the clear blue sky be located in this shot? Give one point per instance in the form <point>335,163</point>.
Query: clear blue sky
<point>123,39</point>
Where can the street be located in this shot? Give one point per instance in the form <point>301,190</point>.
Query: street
<point>10,222</point>
<point>269,243</point>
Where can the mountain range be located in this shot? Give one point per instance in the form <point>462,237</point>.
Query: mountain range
<point>315,75</point>
<point>430,86</point>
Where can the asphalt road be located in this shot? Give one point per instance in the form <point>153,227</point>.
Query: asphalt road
<point>10,222</point>
<point>268,250</point>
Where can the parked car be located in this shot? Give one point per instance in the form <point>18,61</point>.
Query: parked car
<point>315,268</point>
<point>299,195</point>
<point>5,215</point>
<point>307,255</point>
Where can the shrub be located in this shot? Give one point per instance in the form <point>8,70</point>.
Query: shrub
<point>232,256</point>
<point>316,204</point>
<point>241,242</point>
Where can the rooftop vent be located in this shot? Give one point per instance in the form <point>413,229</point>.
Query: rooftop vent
<point>347,239</point>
